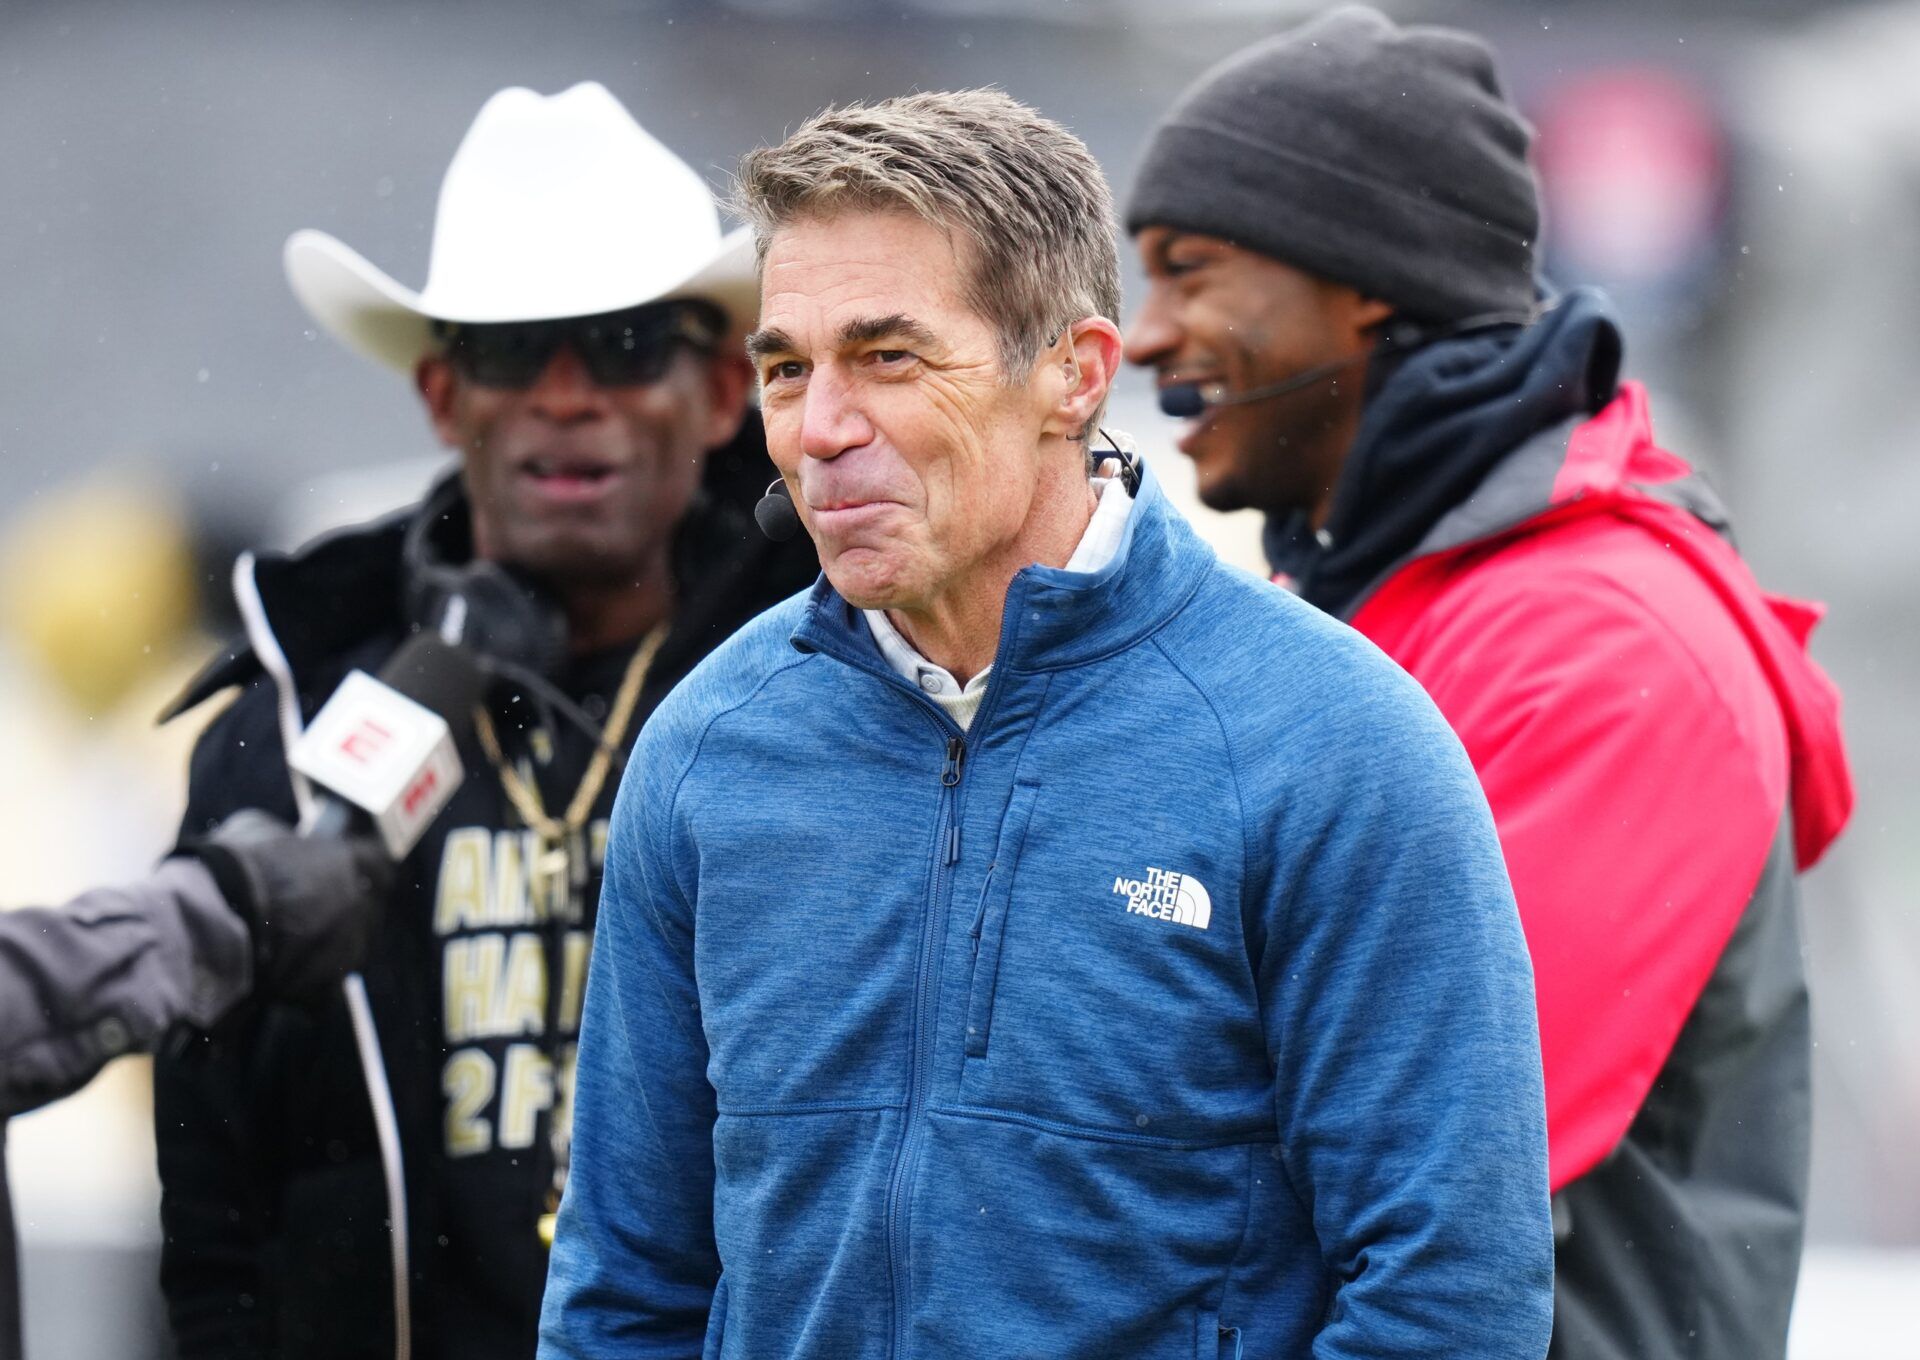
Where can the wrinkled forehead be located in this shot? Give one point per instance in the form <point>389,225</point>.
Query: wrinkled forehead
<point>822,276</point>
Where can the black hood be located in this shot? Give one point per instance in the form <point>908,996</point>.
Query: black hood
<point>351,585</point>
<point>1439,422</point>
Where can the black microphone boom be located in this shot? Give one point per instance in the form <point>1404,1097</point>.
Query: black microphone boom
<point>1183,401</point>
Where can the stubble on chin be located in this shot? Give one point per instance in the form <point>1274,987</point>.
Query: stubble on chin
<point>868,579</point>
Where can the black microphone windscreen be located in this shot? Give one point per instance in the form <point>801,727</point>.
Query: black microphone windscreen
<point>436,675</point>
<point>777,518</point>
<point>1182,401</point>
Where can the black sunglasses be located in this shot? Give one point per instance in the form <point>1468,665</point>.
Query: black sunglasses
<point>619,349</point>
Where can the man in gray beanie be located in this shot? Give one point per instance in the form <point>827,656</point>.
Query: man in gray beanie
<point>1383,157</point>
<point>1338,227</point>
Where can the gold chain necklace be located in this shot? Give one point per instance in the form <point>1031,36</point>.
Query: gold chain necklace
<point>560,861</point>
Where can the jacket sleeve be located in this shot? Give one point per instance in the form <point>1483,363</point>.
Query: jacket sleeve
<point>1637,779</point>
<point>634,1263</point>
<point>214,1183</point>
<point>1398,1003</point>
<point>112,972</point>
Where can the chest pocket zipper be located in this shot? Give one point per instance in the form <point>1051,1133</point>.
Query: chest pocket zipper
<point>990,918</point>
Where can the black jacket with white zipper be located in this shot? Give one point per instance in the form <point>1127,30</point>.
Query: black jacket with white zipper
<point>274,1212</point>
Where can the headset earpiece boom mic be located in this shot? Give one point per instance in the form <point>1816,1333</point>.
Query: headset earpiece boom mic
<point>1184,401</point>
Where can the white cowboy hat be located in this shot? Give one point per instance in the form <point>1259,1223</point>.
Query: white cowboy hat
<point>552,207</point>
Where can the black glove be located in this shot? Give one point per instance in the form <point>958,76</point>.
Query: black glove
<point>309,904</point>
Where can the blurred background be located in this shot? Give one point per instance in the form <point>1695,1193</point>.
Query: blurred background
<point>1744,179</point>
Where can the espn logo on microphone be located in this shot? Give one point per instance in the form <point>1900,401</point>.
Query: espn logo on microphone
<point>365,742</point>
<point>381,751</point>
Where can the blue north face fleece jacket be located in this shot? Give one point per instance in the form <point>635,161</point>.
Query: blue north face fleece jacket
<point>1177,1009</point>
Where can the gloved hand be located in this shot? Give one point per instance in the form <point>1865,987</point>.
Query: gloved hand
<point>310,904</point>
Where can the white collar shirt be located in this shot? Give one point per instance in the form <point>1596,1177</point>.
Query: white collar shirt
<point>1095,550</point>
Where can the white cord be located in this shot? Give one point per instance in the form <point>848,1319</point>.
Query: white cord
<point>388,1129</point>
<point>253,613</point>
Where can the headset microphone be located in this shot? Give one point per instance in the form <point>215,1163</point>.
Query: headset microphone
<point>1183,401</point>
<point>775,514</point>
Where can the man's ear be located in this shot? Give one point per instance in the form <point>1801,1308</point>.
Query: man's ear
<point>729,375</point>
<point>438,384</point>
<point>1087,370</point>
<point>1366,315</point>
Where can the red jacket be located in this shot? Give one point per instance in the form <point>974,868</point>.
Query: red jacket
<point>1641,715</point>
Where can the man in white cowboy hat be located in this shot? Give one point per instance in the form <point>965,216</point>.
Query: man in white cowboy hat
<point>576,345</point>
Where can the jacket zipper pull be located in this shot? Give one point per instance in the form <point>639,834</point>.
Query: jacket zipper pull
<point>956,752</point>
<point>980,912</point>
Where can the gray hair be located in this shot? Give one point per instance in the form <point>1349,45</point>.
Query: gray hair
<point>1022,189</point>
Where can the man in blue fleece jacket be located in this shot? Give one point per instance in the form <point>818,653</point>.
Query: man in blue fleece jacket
<point>1038,939</point>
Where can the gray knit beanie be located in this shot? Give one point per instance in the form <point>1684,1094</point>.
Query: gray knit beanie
<point>1384,158</point>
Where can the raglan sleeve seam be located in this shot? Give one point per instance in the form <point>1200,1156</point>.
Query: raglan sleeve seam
<point>693,758</point>
<point>1293,1175</point>
<point>1233,765</point>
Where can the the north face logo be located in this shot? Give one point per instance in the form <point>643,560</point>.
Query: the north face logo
<point>1167,896</point>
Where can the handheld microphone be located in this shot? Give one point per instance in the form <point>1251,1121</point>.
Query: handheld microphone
<point>774,513</point>
<point>384,745</point>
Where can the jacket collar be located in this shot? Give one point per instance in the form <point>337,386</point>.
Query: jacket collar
<point>321,600</point>
<point>1610,465</point>
<point>1442,421</point>
<point>1054,619</point>
<point>1590,463</point>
